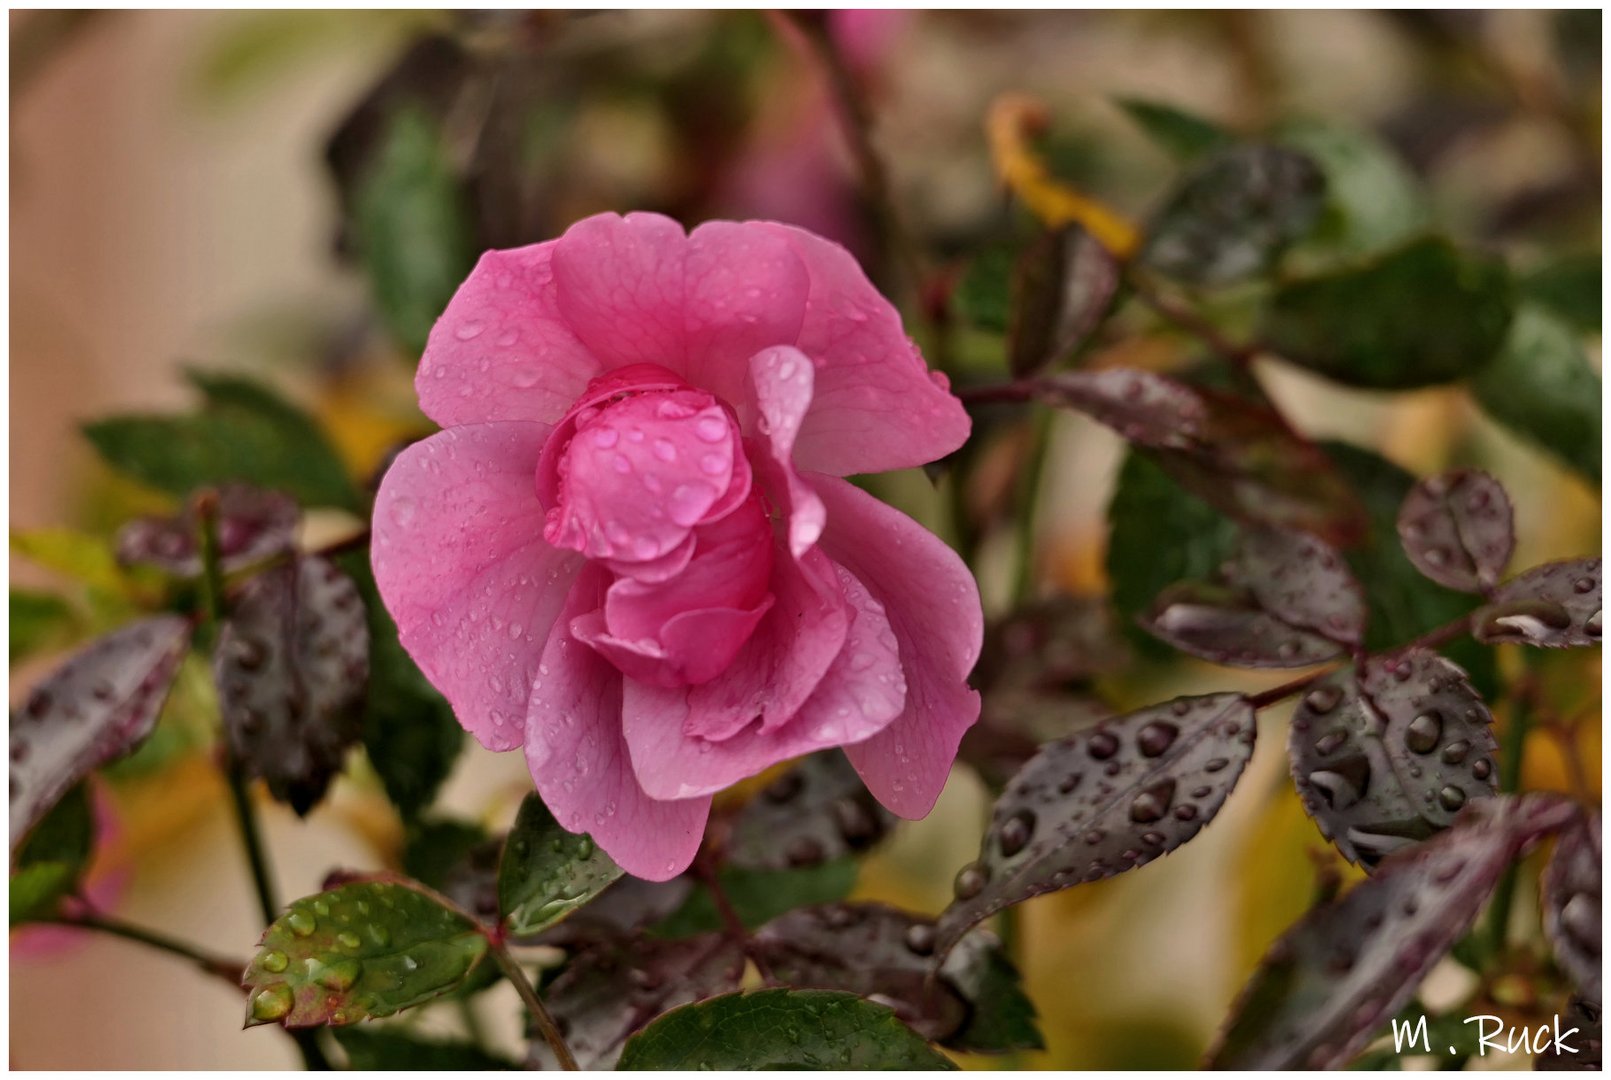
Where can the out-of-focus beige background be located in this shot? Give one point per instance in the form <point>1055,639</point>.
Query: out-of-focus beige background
<point>155,221</point>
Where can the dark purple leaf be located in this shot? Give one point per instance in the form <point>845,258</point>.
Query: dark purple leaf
<point>630,905</point>
<point>1555,606</point>
<point>97,706</point>
<point>1015,723</point>
<point>1104,801</point>
<point>1571,902</point>
<point>1225,624</point>
<point>1458,529</point>
<point>1234,213</point>
<point>818,810</point>
<point>1389,757</point>
<point>1051,643</point>
<point>291,664</point>
<point>610,991</point>
<point>1586,1055</point>
<point>1325,989</point>
<point>1236,454</point>
<point>253,525</point>
<point>971,1003</point>
<point>1303,582</point>
<point>1063,286</point>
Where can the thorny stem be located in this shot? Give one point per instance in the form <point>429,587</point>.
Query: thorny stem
<point>240,798</point>
<point>228,970</point>
<point>1432,639</point>
<point>534,1004</point>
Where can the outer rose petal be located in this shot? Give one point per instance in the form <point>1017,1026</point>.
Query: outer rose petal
<point>861,693</point>
<point>578,757</point>
<point>933,605</point>
<point>501,351</point>
<point>461,563</point>
<point>877,406</point>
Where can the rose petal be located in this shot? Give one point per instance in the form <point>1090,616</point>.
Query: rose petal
<point>781,382</point>
<point>877,406</point>
<point>461,563</point>
<point>861,693</point>
<point>579,761</point>
<point>501,350</point>
<point>746,290</point>
<point>932,603</point>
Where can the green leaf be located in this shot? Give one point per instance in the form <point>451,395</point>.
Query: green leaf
<point>434,849</point>
<point>781,1029</point>
<point>1402,603</point>
<point>409,733</point>
<point>1184,135</point>
<point>1570,288</point>
<point>1158,535</point>
<point>412,227</point>
<point>73,554</point>
<point>1542,387</point>
<point>984,295</point>
<point>39,621</point>
<point>546,872</point>
<point>244,432</point>
<point>389,1050</point>
<point>759,896</point>
<point>1373,200</point>
<point>36,889</point>
<point>362,950</point>
<point>1423,314</point>
<point>1233,215</point>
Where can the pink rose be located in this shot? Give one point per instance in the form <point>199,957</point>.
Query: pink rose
<point>630,551</point>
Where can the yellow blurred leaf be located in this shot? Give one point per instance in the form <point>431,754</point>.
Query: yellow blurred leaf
<point>1016,118</point>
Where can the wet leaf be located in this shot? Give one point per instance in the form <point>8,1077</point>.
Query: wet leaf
<point>1054,641</point>
<point>1158,534</point>
<point>1234,453</point>
<point>1458,529</point>
<point>1184,135</point>
<point>1063,287</point>
<point>759,896</point>
<point>609,991</point>
<point>99,705</point>
<point>290,663</point>
<point>972,1003</point>
<point>1554,606</point>
<point>817,811</point>
<point>370,1050</point>
<point>39,621</point>
<point>410,734</point>
<point>1302,581</point>
<point>1226,625</point>
<point>253,525</point>
<point>546,872</point>
<point>244,432</point>
<point>1389,757</point>
<point>620,911</point>
<point>1571,904</point>
<point>1104,801</point>
<point>1015,723</point>
<point>1372,199</point>
<point>1420,315</point>
<point>411,227</point>
<point>1570,289</point>
<point>1542,387</point>
<point>1327,987</point>
<point>1234,214</point>
<point>362,950</point>
<point>781,1029</point>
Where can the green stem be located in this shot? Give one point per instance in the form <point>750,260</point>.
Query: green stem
<point>534,1004</point>
<point>228,970</point>
<point>212,593</point>
<point>1510,774</point>
<point>1028,500</point>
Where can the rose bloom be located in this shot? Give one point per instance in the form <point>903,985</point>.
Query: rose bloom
<point>631,551</point>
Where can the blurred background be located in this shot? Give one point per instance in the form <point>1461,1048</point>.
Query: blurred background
<point>295,194</point>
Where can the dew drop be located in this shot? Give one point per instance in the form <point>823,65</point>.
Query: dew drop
<point>1016,832</point>
<point>1156,737</point>
<point>971,880</point>
<point>1322,699</point>
<point>1424,732</point>
<point>1102,745</point>
<point>1153,803</point>
<point>301,923</point>
<point>920,938</point>
<point>271,1002</point>
<point>1452,798</point>
<point>274,961</point>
